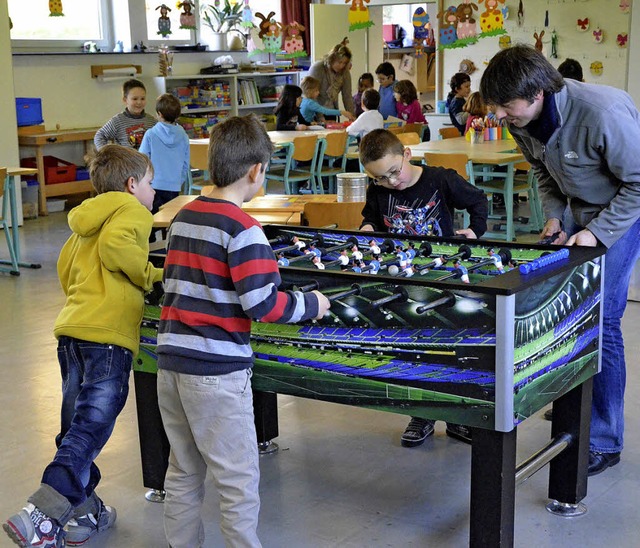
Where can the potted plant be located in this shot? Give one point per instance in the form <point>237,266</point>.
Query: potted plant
<point>221,19</point>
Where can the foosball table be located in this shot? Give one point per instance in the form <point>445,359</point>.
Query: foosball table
<point>447,329</point>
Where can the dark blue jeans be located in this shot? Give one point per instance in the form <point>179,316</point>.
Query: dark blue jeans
<point>95,385</point>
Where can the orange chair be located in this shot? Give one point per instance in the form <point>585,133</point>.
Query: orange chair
<point>408,139</point>
<point>448,132</point>
<point>199,160</point>
<point>333,151</point>
<point>301,149</point>
<point>459,162</point>
<point>345,215</point>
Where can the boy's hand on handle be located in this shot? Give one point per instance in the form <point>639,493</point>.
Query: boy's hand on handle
<point>467,233</point>
<point>366,228</point>
<point>551,227</point>
<point>323,304</point>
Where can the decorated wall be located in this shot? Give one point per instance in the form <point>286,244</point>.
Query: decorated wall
<point>594,32</point>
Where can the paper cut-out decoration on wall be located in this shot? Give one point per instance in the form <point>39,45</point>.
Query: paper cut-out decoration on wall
<point>466,21</point>
<point>622,39</point>
<point>504,42</point>
<point>596,68</point>
<point>164,23</point>
<point>554,44</point>
<point>505,13</point>
<point>187,17</point>
<point>292,40</point>
<point>247,16</point>
<point>491,18</point>
<point>55,8</point>
<point>538,39</point>
<point>520,14</point>
<point>269,33</point>
<point>359,15</point>
<point>582,25</point>
<point>467,66</point>
<point>625,6</point>
<point>598,35</point>
<point>419,21</point>
<point>458,27</point>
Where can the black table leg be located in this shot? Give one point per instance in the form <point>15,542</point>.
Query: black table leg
<point>568,471</point>
<point>265,409</point>
<point>493,486</point>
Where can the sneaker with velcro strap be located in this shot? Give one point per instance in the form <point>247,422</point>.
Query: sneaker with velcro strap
<point>81,529</point>
<point>417,431</point>
<point>32,527</point>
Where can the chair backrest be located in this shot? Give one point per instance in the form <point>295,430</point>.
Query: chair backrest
<point>3,178</point>
<point>408,139</point>
<point>199,155</point>
<point>459,162</point>
<point>448,132</point>
<point>395,129</point>
<point>415,127</point>
<point>304,148</point>
<point>522,166</point>
<point>336,144</point>
<point>346,215</point>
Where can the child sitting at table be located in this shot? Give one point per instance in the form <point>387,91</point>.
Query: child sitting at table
<point>288,109</point>
<point>370,119</point>
<point>310,108</point>
<point>414,199</point>
<point>460,88</point>
<point>407,105</point>
<point>476,108</point>
<point>364,82</point>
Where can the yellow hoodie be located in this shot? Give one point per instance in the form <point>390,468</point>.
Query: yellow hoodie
<point>104,270</point>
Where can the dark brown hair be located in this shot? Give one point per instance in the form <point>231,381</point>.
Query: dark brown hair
<point>169,107</point>
<point>406,90</point>
<point>236,145</point>
<point>111,167</point>
<point>131,84</point>
<point>378,144</point>
<point>371,98</point>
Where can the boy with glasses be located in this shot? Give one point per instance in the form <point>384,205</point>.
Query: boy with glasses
<point>411,199</point>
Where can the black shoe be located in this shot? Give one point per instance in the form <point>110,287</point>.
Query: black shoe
<point>459,432</point>
<point>416,432</point>
<point>548,415</point>
<point>599,462</point>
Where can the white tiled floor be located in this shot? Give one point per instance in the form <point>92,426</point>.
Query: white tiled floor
<point>341,478</point>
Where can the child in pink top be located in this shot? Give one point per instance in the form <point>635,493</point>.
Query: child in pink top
<point>407,104</point>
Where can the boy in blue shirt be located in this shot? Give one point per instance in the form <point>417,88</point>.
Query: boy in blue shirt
<point>167,146</point>
<point>386,75</point>
<point>310,108</point>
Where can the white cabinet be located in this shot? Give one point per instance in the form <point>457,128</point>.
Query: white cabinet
<point>209,98</point>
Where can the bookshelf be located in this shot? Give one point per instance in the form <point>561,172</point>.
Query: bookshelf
<point>210,98</point>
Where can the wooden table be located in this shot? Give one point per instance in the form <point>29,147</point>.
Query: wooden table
<point>281,209</point>
<point>485,156</point>
<point>9,203</point>
<point>41,140</point>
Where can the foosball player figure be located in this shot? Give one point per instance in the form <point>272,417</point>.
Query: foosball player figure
<point>313,249</point>
<point>358,266</point>
<point>282,260</point>
<point>298,242</point>
<point>408,271</point>
<point>344,258</point>
<point>461,270</point>
<point>356,254</point>
<point>318,262</point>
<point>411,252</point>
<point>402,257</point>
<point>374,248</point>
<point>374,264</point>
<point>497,261</point>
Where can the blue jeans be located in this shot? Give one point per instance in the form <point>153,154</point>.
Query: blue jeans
<point>607,414</point>
<point>95,385</point>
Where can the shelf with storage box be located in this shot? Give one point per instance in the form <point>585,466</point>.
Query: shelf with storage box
<point>57,177</point>
<point>209,98</point>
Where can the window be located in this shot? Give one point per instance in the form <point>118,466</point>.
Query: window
<point>153,15</point>
<point>83,20</point>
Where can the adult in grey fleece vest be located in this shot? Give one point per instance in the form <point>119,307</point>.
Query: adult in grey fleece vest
<point>583,143</point>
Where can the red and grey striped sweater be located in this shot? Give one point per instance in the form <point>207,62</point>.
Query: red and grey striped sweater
<point>220,273</point>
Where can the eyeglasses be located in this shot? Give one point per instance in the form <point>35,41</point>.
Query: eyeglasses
<point>392,176</point>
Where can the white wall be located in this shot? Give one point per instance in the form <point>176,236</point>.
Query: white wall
<point>9,148</point>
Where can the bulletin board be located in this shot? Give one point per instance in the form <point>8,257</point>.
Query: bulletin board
<point>590,31</point>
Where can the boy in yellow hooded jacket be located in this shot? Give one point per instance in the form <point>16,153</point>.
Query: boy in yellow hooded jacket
<point>104,271</point>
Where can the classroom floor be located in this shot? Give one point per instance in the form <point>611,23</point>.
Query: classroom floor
<point>340,479</point>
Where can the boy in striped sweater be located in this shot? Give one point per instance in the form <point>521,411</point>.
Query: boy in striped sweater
<point>128,127</point>
<point>220,273</point>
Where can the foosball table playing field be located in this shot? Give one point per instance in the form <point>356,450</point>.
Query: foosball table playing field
<point>447,329</point>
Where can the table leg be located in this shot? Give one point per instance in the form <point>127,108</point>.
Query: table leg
<point>493,488</point>
<point>8,203</point>
<point>508,203</point>
<point>42,192</point>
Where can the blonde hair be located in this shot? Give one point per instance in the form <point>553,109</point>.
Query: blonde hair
<point>338,53</point>
<point>475,106</point>
<point>309,84</point>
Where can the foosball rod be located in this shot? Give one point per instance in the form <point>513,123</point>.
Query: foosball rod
<point>448,299</point>
<point>399,294</point>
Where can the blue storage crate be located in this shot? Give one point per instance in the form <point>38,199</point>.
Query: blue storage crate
<point>82,173</point>
<point>29,111</point>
